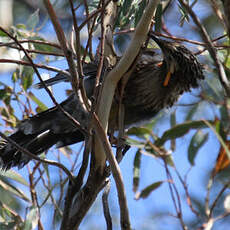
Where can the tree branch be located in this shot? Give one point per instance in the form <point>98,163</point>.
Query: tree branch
<point>117,72</point>
<point>212,51</point>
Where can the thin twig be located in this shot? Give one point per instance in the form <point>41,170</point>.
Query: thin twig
<point>79,63</point>
<point>217,198</point>
<point>183,182</point>
<point>40,66</point>
<point>105,203</point>
<point>31,41</point>
<point>64,44</point>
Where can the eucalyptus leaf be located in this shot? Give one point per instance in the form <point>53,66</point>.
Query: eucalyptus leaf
<point>31,219</point>
<point>197,141</point>
<point>14,176</point>
<point>40,104</point>
<point>136,170</point>
<point>180,130</point>
<point>33,20</point>
<point>149,189</point>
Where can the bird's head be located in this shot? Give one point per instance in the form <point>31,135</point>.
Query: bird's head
<point>180,65</point>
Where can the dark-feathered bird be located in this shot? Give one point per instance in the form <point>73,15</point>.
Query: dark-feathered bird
<point>152,86</point>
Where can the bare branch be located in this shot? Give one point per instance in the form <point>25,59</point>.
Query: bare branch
<point>106,206</point>
<point>41,66</point>
<point>64,44</point>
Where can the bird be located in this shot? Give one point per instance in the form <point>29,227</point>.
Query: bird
<point>154,84</point>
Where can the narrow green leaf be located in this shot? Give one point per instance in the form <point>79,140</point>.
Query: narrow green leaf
<point>146,191</point>
<point>3,34</point>
<point>126,6</point>
<point>42,47</point>
<point>8,225</point>
<point>191,112</point>
<point>21,26</point>
<point>138,144</point>
<point>140,10</point>
<point>184,15</point>
<point>179,131</point>
<point>220,129</point>
<point>173,123</point>
<point>40,104</point>
<point>136,170</point>
<point>27,77</point>
<point>140,132</point>
<point>15,76</point>
<point>33,20</point>
<point>158,18</point>
<point>31,219</point>
<point>14,176</point>
<point>3,93</point>
<point>224,114</point>
<point>197,141</point>
<point>10,188</point>
<point>173,119</point>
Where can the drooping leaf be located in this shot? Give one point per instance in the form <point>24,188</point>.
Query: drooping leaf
<point>3,93</point>
<point>33,20</point>
<point>40,46</point>
<point>136,170</point>
<point>158,18</point>
<point>31,219</point>
<point>136,143</point>
<point>220,128</point>
<point>146,191</point>
<point>172,124</point>
<point>40,104</point>
<point>191,112</point>
<point>27,77</point>
<point>140,132</point>
<point>14,176</point>
<point>139,12</point>
<point>3,34</point>
<point>180,130</point>
<point>184,15</point>
<point>126,6</point>
<point>21,26</point>
<point>10,188</point>
<point>224,116</point>
<point>197,141</point>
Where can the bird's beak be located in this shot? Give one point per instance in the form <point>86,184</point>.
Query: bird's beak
<point>171,66</point>
<point>159,42</point>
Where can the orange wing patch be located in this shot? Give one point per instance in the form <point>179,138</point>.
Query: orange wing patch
<point>166,81</point>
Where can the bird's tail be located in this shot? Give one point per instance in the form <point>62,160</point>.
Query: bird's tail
<point>38,133</point>
<point>52,81</point>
